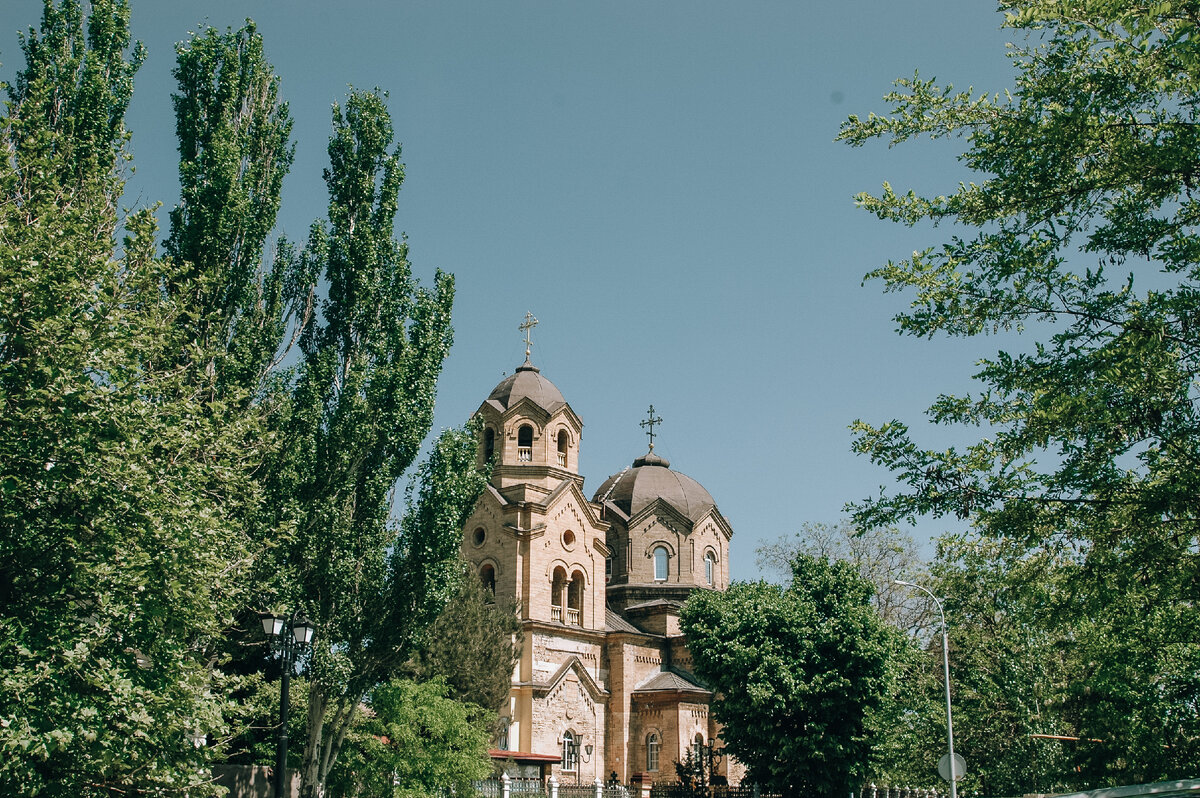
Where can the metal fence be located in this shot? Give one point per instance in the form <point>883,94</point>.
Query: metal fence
<point>507,787</point>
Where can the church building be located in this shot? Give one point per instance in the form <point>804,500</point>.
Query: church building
<point>604,682</point>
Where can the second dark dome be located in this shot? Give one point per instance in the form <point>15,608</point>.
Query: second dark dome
<point>649,479</point>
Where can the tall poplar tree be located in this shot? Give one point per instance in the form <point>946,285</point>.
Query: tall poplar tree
<point>235,148</point>
<point>360,408</point>
<point>1081,230</point>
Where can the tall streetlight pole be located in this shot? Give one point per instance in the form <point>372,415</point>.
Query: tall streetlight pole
<point>946,670</point>
<point>289,646</point>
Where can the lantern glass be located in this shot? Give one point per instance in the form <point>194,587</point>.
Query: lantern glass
<point>303,630</point>
<point>272,625</point>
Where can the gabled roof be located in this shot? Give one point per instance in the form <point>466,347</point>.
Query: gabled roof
<point>572,487</point>
<point>574,664</point>
<point>660,508</point>
<point>718,519</point>
<point>671,681</point>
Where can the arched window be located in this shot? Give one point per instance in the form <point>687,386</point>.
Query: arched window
<point>570,752</point>
<point>487,575</point>
<point>708,568</point>
<point>652,751</point>
<point>660,564</point>
<point>525,443</point>
<point>563,441</point>
<point>489,445</point>
<point>557,588</point>
<point>575,599</point>
<point>502,743</point>
<point>698,751</point>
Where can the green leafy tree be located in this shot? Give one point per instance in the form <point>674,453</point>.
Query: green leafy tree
<point>119,554</point>
<point>473,646</point>
<point>796,670</point>
<point>1013,659</point>
<point>415,741</point>
<point>359,410</point>
<point>1080,229</point>
<point>234,151</point>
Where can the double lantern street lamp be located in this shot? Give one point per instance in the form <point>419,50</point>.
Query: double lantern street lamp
<point>707,758</point>
<point>953,768</point>
<point>289,648</point>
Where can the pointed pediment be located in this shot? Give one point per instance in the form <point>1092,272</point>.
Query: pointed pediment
<point>570,489</point>
<point>572,665</point>
<point>662,509</point>
<point>714,515</point>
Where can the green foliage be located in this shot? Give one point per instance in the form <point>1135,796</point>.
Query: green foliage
<point>119,558</point>
<point>1084,231</point>
<point>361,405</point>
<point>150,461</point>
<point>1012,665</point>
<point>234,150</point>
<point>473,645</point>
<point>796,671</point>
<point>415,742</point>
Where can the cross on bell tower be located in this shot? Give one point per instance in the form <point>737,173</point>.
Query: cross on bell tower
<point>649,423</point>
<point>527,328</point>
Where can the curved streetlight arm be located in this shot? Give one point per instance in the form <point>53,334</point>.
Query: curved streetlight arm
<point>953,768</point>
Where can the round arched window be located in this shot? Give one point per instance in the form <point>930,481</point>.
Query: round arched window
<point>661,557</point>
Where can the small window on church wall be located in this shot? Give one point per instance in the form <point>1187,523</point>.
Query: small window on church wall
<point>708,568</point>
<point>489,444</point>
<point>563,442</point>
<point>570,752</point>
<point>660,564</point>
<point>652,751</point>
<point>525,443</point>
<point>487,576</point>
<point>478,536</point>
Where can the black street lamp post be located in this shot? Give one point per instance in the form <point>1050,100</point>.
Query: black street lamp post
<point>289,647</point>
<point>707,756</point>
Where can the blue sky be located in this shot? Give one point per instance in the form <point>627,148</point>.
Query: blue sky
<point>658,184</point>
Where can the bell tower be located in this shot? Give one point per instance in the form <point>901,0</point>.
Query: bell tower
<point>537,540</point>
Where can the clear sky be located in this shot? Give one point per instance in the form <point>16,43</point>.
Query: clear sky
<point>657,182</point>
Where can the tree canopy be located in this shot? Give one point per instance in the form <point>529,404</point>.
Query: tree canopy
<point>153,455</point>
<point>1079,232</point>
<point>122,472</point>
<point>796,670</point>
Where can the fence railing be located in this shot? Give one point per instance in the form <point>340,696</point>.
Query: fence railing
<point>509,787</point>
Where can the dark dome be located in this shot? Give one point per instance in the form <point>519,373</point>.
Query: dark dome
<point>527,382</point>
<point>649,479</point>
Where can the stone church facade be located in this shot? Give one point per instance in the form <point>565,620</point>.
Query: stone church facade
<point>604,682</point>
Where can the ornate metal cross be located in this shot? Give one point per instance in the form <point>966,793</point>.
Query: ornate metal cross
<point>649,425</point>
<point>527,327</point>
